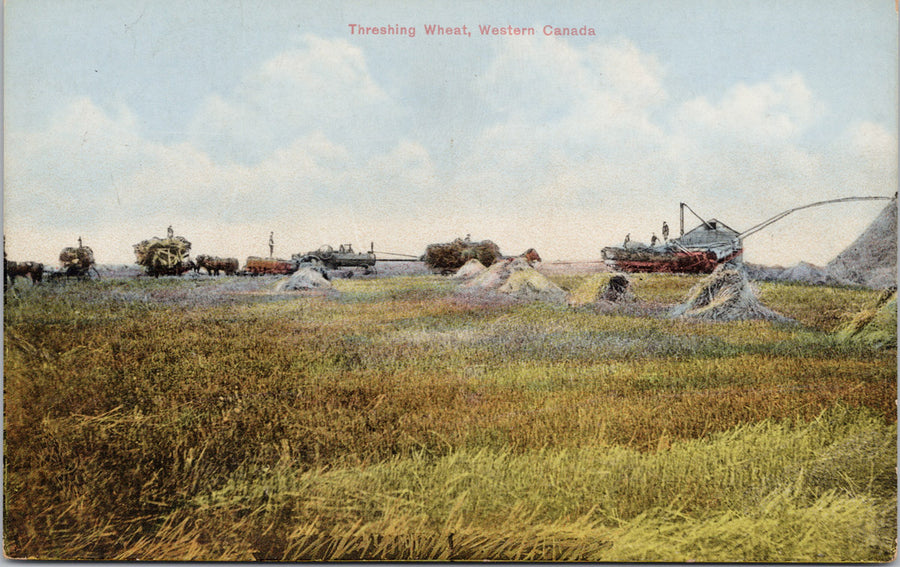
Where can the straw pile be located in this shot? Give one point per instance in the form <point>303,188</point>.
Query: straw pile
<point>617,289</point>
<point>516,279</point>
<point>871,260</point>
<point>876,326</point>
<point>726,295</point>
<point>807,273</point>
<point>607,287</point>
<point>306,278</point>
<point>470,269</point>
<point>800,272</point>
<point>588,290</point>
<point>448,257</point>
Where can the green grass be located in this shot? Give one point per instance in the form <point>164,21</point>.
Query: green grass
<point>219,420</point>
<point>823,308</point>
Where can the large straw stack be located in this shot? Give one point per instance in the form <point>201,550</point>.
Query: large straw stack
<point>871,260</point>
<point>513,278</point>
<point>726,295</point>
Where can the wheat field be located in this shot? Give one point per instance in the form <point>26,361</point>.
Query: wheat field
<point>216,419</point>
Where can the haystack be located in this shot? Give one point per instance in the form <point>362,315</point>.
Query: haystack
<point>760,273</point>
<point>876,326</point>
<point>871,260</point>
<point>617,290</point>
<point>590,288</point>
<point>726,295</point>
<point>470,269</point>
<point>515,278</point>
<point>305,278</point>
<point>451,256</point>
<point>806,273</point>
<point>610,287</point>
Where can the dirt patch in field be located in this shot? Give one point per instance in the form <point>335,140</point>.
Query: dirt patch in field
<point>390,269</point>
<point>558,268</point>
<point>726,295</point>
<point>119,270</point>
<point>515,279</point>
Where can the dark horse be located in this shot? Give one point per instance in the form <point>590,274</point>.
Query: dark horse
<point>213,265</point>
<point>32,270</point>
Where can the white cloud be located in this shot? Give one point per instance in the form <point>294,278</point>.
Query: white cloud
<point>634,76</point>
<point>62,175</point>
<point>544,80</point>
<point>764,113</point>
<point>324,86</point>
<point>875,147</point>
<point>574,123</point>
<point>91,174</point>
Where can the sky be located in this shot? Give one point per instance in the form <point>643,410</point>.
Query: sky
<point>231,119</point>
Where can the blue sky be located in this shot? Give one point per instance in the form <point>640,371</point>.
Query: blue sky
<point>231,119</point>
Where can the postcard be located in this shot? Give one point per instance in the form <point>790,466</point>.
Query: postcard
<point>587,281</point>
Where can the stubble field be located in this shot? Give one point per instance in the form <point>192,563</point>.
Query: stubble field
<point>215,419</point>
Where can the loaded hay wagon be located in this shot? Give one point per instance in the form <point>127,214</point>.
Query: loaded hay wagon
<point>446,258</point>
<point>77,262</point>
<point>164,256</point>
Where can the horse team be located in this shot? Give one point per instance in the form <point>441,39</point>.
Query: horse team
<point>34,271</point>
